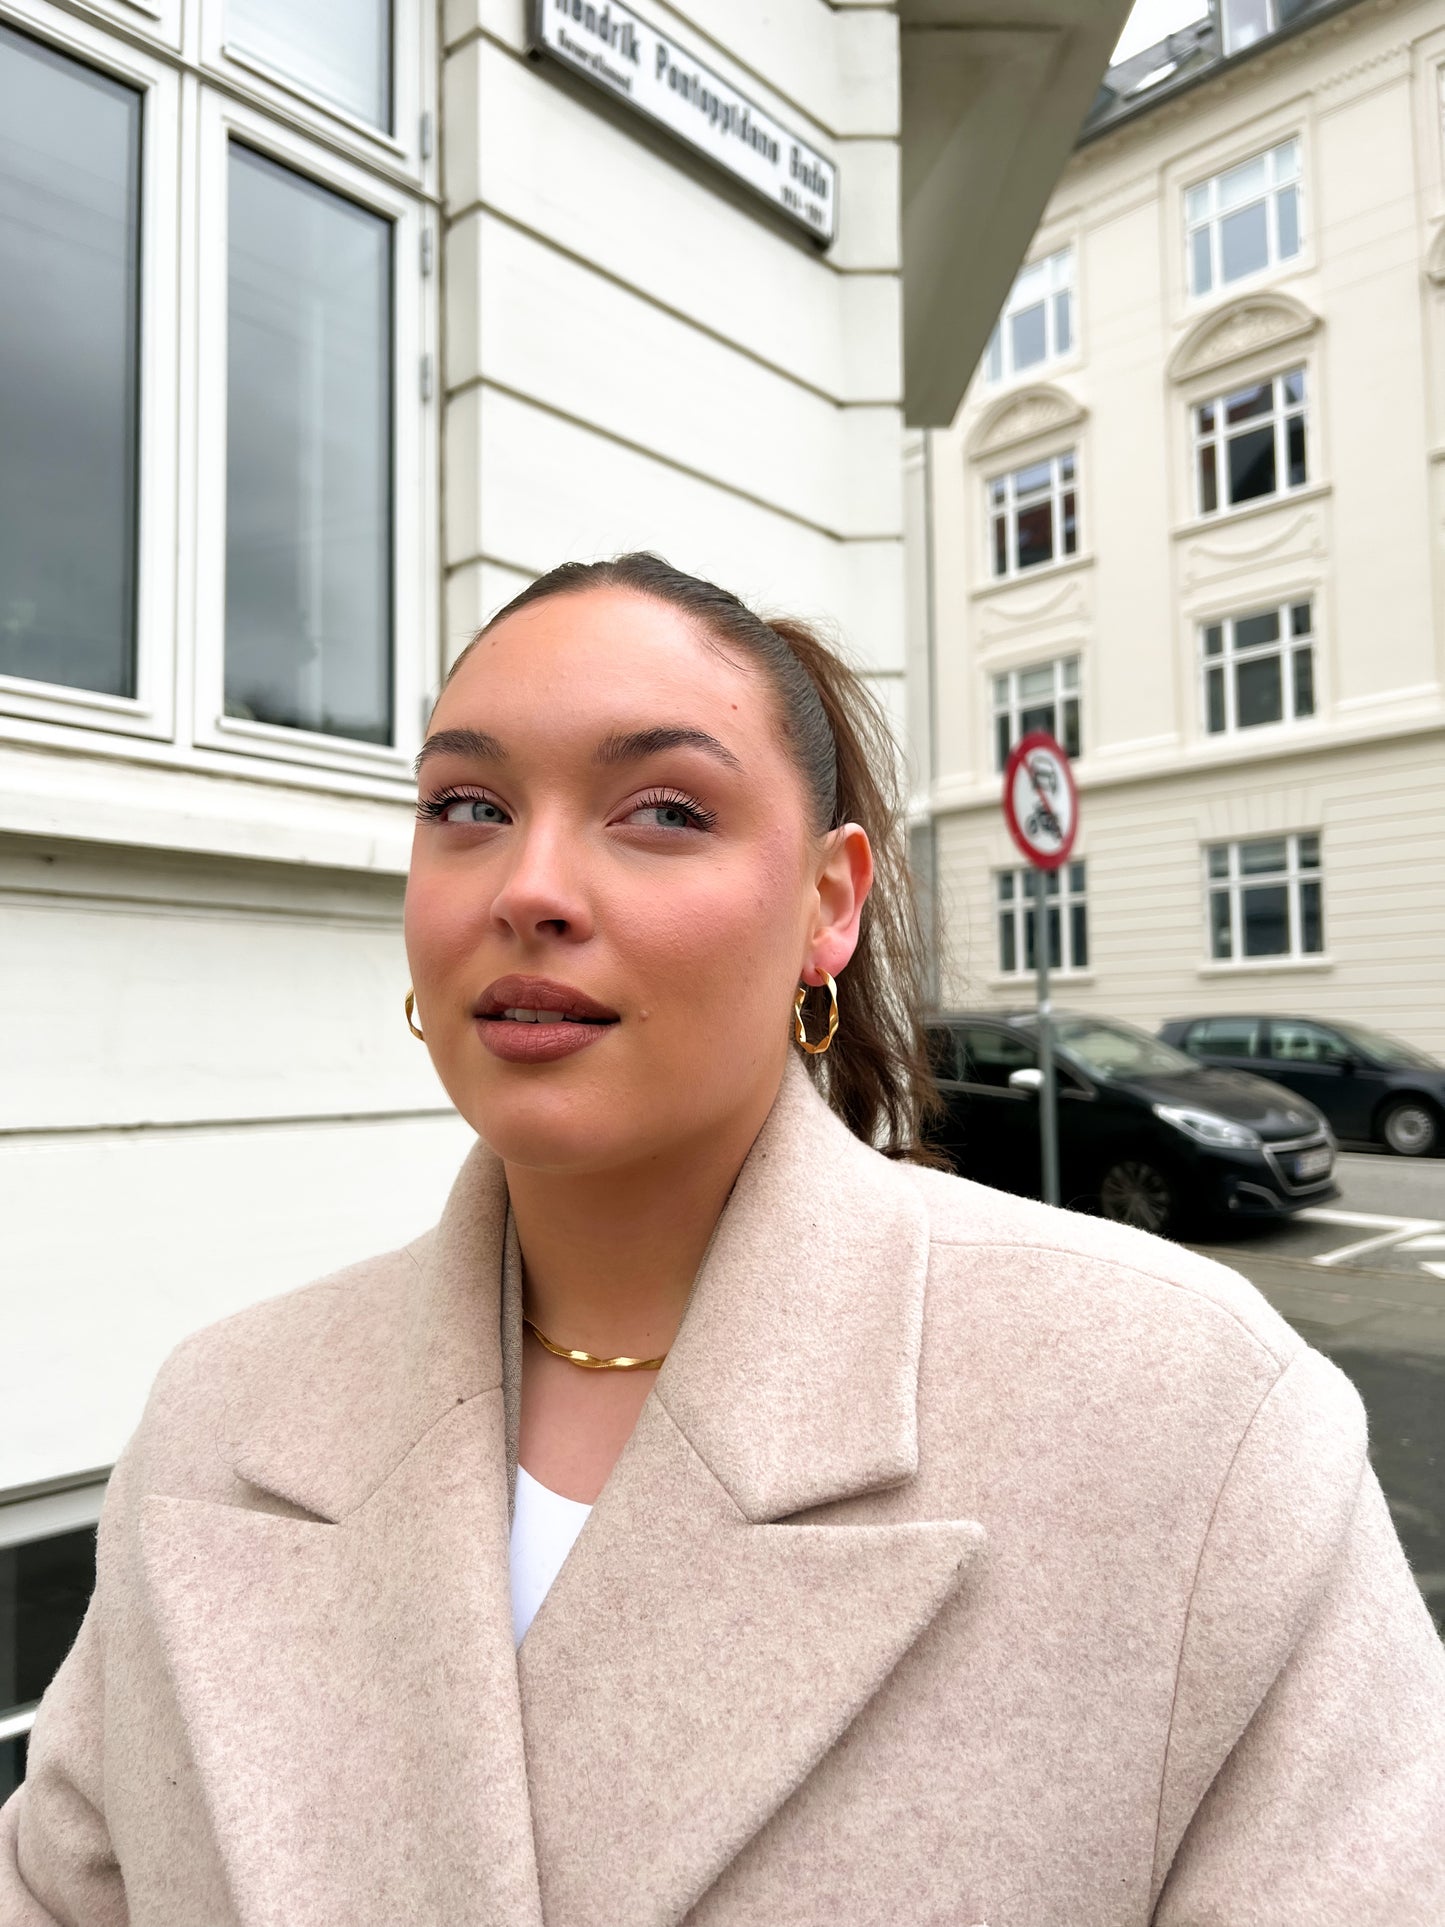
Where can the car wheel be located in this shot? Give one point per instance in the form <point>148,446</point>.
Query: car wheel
<point>1138,1193</point>
<point>1410,1127</point>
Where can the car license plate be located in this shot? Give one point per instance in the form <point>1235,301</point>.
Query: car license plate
<point>1312,1164</point>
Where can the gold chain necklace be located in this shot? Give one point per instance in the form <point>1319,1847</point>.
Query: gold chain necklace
<point>587,1360</point>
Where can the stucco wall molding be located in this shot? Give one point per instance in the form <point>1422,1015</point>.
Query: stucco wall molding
<point>1229,334</point>
<point>1020,417</point>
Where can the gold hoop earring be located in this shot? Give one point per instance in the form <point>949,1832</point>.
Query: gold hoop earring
<point>410,1007</point>
<point>816,1050</point>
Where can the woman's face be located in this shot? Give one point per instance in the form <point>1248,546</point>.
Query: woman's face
<point>611,830</point>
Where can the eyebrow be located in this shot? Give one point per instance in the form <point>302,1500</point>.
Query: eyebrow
<point>629,746</point>
<point>475,743</point>
<point>633,745</point>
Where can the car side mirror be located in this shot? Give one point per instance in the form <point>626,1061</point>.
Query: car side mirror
<point>1027,1079</point>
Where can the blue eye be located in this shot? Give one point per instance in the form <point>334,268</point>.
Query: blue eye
<point>454,808</point>
<point>671,813</point>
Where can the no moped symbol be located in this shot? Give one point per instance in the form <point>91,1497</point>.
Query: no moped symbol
<point>1040,802</point>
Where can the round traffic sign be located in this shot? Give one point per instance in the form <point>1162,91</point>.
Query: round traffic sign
<point>1040,802</point>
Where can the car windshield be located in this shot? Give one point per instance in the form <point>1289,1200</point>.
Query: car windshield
<point>1390,1051</point>
<point>1107,1050</point>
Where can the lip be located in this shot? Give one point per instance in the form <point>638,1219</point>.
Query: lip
<point>541,993</point>
<point>539,1043</point>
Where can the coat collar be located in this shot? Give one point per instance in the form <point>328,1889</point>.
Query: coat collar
<point>701,1648</point>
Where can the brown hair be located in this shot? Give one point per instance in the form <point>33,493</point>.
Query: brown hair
<point>876,1075</point>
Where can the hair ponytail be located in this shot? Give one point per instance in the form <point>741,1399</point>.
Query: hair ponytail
<point>876,1075</point>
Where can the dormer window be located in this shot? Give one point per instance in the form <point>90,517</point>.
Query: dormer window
<point>1246,21</point>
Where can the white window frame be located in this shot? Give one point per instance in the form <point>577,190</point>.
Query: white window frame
<point>1285,646</point>
<point>1058,488</point>
<point>1023,902</point>
<point>1282,412</point>
<point>1235,884</point>
<point>1058,269</point>
<point>1213,219</point>
<point>151,711</point>
<point>404,149</point>
<point>414,593</point>
<point>1013,704</point>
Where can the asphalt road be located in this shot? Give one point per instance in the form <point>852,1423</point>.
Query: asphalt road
<point>1363,1280</point>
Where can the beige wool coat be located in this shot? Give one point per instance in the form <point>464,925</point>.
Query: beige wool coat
<point>971,1562</point>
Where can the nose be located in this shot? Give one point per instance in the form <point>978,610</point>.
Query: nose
<point>541,895</point>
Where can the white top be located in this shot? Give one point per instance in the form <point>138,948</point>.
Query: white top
<point>544,1526</point>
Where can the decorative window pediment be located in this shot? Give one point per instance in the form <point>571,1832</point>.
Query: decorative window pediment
<point>1020,417</point>
<point>1242,328</point>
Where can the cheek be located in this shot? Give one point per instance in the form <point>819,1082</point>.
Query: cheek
<point>732,925</point>
<point>442,920</point>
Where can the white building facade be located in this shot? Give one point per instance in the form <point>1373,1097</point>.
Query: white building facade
<point>1189,519</point>
<point>323,330</point>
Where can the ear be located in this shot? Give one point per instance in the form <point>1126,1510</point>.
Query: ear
<point>843,883</point>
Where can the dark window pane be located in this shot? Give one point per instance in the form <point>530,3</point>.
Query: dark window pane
<point>1005,886</point>
<point>1251,465</point>
<point>1002,741</point>
<point>1208,480</point>
<point>1063,324</point>
<point>1066,468</point>
<point>1287,206</point>
<point>12,1764</point>
<point>1204,418</point>
<point>1244,242</point>
<point>1214,640</point>
<point>1259,692</point>
<point>1076,878</point>
<point>308,471</point>
<point>1265,910</point>
<point>998,492</point>
<point>1007,943</point>
<point>1000,545</point>
<point>45,1586</point>
<point>1304,682</point>
<point>1031,961</point>
<point>1250,632</point>
<point>1027,332</point>
<point>1219,860</point>
<point>1263,858</point>
<point>1079,934</point>
<point>1056,938</point>
<point>1246,404</point>
<point>1036,535</point>
<point>1296,436</point>
<point>1071,527</point>
<point>1294,386</point>
<point>1219,938</point>
<point>1227,1037</point>
<point>1312,935</point>
<point>1214,694</point>
<point>1201,274</point>
<point>70,146</point>
<point>1073,741</point>
<point>1040,718</point>
<point>1300,619</point>
<point>1309,852</point>
<point>342,52</point>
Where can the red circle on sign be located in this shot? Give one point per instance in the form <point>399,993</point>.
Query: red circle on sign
<point>1042,859</point>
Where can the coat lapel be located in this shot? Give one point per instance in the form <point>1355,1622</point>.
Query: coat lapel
<point>703,1647</point>
<point>347,1679</point>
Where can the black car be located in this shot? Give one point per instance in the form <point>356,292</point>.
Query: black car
<point>1146,1135</point>
<point>1371,1087</point>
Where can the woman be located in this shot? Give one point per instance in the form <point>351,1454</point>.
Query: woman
<point>950,1559</point>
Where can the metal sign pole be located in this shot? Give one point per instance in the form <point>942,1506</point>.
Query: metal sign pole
<point>1048,1107</point>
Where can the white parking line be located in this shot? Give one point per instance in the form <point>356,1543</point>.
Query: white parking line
<point>1397,1230</point>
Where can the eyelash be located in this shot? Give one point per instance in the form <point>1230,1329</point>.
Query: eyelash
<point>432,808</point>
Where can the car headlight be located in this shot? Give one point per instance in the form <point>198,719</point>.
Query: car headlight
<point>1205,1128</point>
